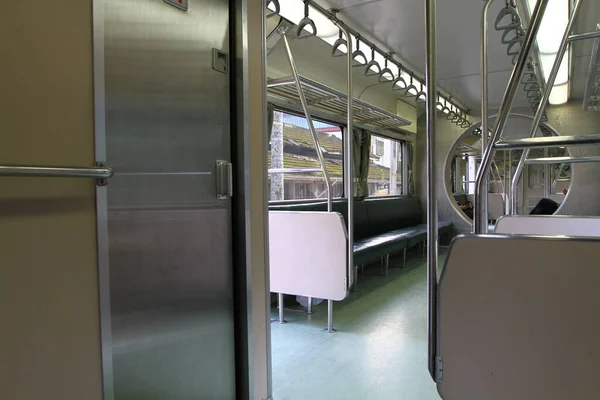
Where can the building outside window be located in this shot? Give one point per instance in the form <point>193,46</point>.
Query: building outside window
<point>291,146</point>
<point>385,168</point>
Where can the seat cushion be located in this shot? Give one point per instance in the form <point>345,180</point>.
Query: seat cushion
<point>414,234</point>
<point>371,249</point>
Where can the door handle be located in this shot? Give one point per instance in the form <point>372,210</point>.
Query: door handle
<point>224,180</point>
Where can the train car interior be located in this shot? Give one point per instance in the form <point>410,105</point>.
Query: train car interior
<point>300,199</point>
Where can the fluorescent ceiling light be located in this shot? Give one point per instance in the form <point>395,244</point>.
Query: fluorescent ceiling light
<point>553,26</point>
<point>554,23</point>
<point>547,61</point>
<point>559,94</point>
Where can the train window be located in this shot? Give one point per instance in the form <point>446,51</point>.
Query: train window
<point>291,146</point>
<point>385,167</point>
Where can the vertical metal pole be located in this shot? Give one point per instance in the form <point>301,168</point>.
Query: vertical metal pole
<point>349,157</point>
<point>507,100</point>
<point>508,194</point>
<point>540,111</point>
<point>432,225</point>
<point>280,305</point>
<point>310,121</point>
<point>547,178</point>
<point>405,178</point>
<point>349,171</point>
<point>309,305</point>
<point>504,181</point>
<point>484,100</point>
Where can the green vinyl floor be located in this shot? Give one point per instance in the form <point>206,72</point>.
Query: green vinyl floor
<point>378,352</point>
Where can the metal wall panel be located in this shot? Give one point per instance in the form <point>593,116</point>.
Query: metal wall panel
<point>170,251</point>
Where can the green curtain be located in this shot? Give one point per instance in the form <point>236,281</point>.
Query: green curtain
<point>409,161</point>
<point>270,117</point>
<point>362,152</point>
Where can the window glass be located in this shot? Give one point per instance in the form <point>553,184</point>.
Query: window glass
<point>385,167</point>
<point>292,146</point>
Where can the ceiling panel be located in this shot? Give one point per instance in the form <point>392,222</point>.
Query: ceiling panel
<point>400,26</point>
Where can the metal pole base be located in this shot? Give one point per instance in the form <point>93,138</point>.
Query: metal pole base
<point>386,266</point>
<point>329,328</point>
<point>309,306</point>
<point>280,306</point>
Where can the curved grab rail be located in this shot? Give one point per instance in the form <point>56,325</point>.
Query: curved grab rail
<point>544,101</point>
<point>504,111</point>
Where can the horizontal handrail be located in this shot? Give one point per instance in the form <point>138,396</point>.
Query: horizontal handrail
<point>583,36</point>
<point>560,160</point>
<point>547,142</point>
<point>293,170</point>
<point>56,172</point>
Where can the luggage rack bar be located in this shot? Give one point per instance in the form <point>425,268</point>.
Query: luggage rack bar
<point>101,173</point>
<point>547,142</point>
<point>325,99</point>
<point>561,160</point>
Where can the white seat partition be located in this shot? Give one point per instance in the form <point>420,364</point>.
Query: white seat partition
<point>307,252</point>
<point>518,319</point>
<point>549,225</point>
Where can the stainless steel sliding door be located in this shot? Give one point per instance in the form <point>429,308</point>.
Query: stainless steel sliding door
<point>170,246</point>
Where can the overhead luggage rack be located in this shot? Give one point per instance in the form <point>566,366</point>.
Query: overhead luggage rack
<point>322,98</point>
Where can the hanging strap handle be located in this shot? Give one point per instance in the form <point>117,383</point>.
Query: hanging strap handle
<point>306,22</point>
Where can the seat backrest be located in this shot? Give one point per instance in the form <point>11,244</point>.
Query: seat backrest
<point>371,216</point>
<point>361,218</point>
<point>313,206</point>
<point>461,198</point>
<point>388,214</point>
<point>554,225</point>
<point>517,318</point>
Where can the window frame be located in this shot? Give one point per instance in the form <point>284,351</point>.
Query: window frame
<point>343,130</point>
<point>403,170</point>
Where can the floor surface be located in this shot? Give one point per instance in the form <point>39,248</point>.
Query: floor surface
<point>378,352</point>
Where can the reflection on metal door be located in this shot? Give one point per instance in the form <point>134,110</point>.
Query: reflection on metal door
<point>167,124</point>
